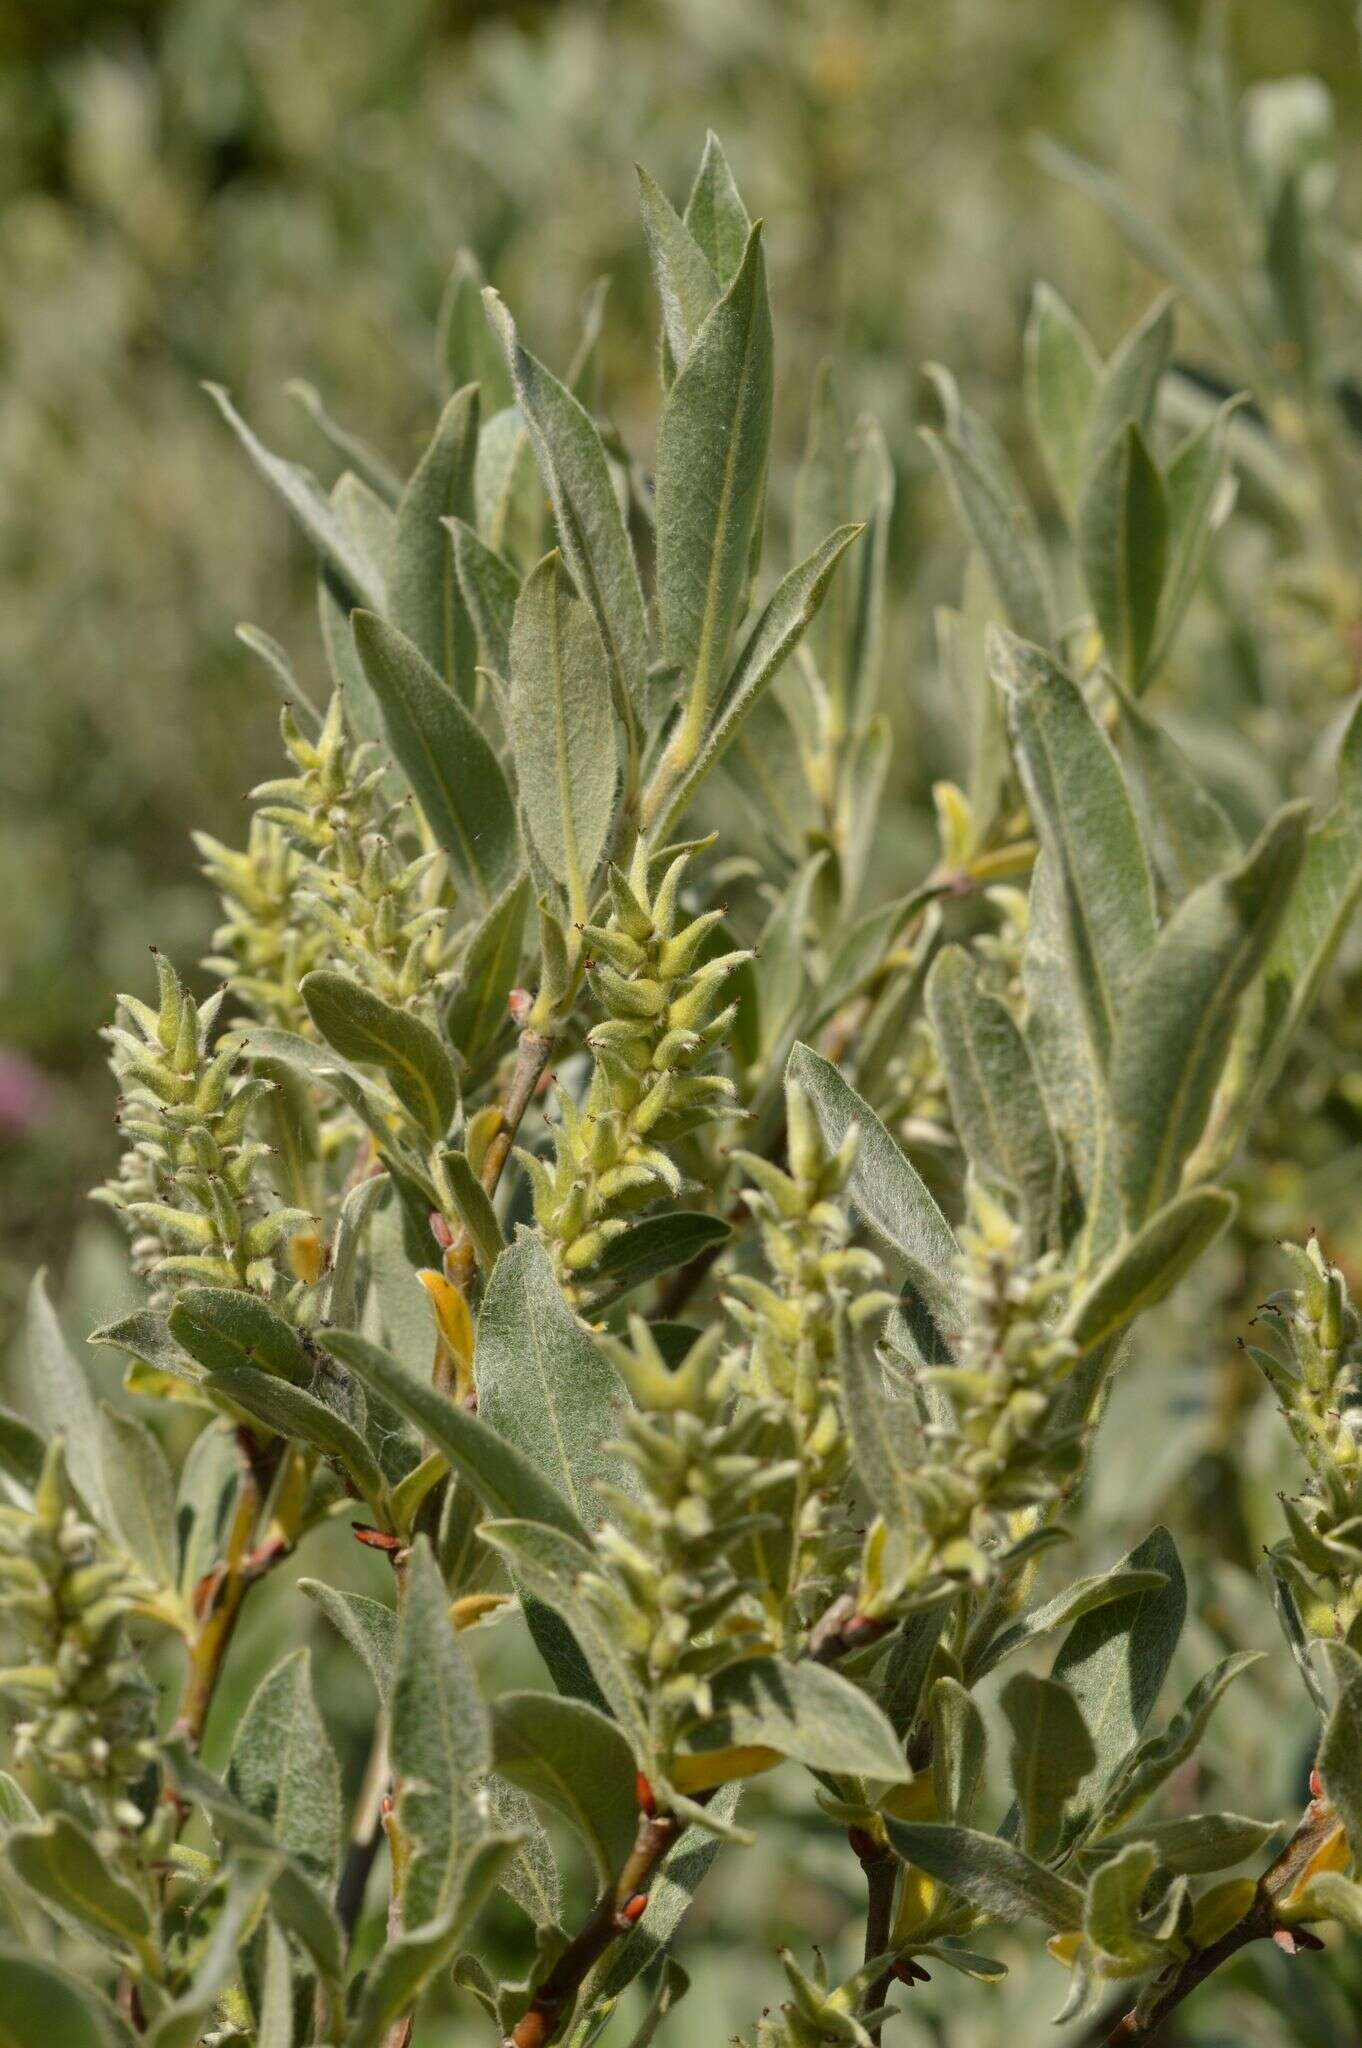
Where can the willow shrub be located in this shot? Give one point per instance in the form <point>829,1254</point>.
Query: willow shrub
<point>527,1198</point>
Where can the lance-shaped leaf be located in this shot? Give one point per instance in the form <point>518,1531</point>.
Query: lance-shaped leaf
<point>453,771</point>
<point>40,2002</point>
<point>772,640</point>
<point>59,1862</point>
<point>1197,501</point>
<point>711,473</point>
<point>803,1711</point>
<point>1182,1008</point>
<point>61,1398</point>
<point>141,1493</point>
<point>1123,545</point>
<point>367,1625</point>
<point>685,280</point>
<point>564,730</point>
<point>1082,1597</point>
<point>1112,1908</point>
<point>893,1201</point>
<point>226,1327</point>
<point>715,214</point>
<point>822,503</point>
<point>477,1009</point>
<point>313,512</point>
<point>575,1760</point>
<point>655,1246</point>
<point>591,529</point>
<point>1062,373</point>
<point>474,1205</point>
<point>1114,1661</point>
<point>1195,1842</point>
<point>995,511</point>
<point>1086,824</point>
<point>995,1098</point>
<point>543,1384</point>
<point>291,1412</point>
<point>563,1573</point>
<point>284,1769</point>
<point>362,1026</point>
<point>425,600</point>
<point>1129,383</point>
<point>1155,1759</point>
<point>490,587</point>
<point>1189,835</point>
<point>1051,1754</point>
<point>959,1750</point>
<point>993,1875</point>
<point>500,1474</point>
<point>1340,1751</point>
<point>409,1961</point>
<point>1143,1269</point>
<point>441,1744</point>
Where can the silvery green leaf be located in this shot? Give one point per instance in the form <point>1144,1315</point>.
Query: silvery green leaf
<point>715,214</point>
<point>685,280</point>
<point>276,1994</point>
<point>1197,497</point>
<point>284,1769</point>
<point>465,351</point>
<point>475,1209</point>
<point>994,509</point>
<point>1188,834</point>
<point>895,1204</point>
<point>655,1246</point>
<point>575,1760</point>
<point>441,1744</point>
<point>499,1473</point>
<point>490,587</point>
<point>774,637</point>
<point>885,1432</point>
<point>872,500</point>
<point>1146,1266</point>
<point>244,1886</point>
<point>280,669</point>
<point>310,508</point>
<point>1340,1751</point>
<point>803,1710</point>
<point>1050,1756</point>
<point>425,601</point>
<point>292,1413</point>
<point>301,1907</point>
<point>962,652</point>
<point>1086,824</point>
<point>40,2002</point>
<point>224,1327</point>
<point>1123,544</point>
<point>859,955</point>
<point>1066,1064</point>
<point>207,1484</point>
<point>1195,1843</point>
<point>822,503</point>
<point>409,1961</point>
<point>1181,1009</point>
<point>61,1399</point>
<point>352,1230</point>
<point>1129,383</point>
<point>1158,248</point>
<point>145,1336</point>
<point>993,1875</point>
<point>711,471</point>
<point>1082,1597</point>
<point>361,1026</point>
<point>564,730</point>
<point>508,492</point>
<point>61,1864</point>
<point>865,770</point>
<point>544,1386</point>
<point>140,1493</point>
<point>591,529</point>
<point>1062,372</point>
<point>996,1102</point>
<point>367,1625</point>
<point>1111,1909</point>
<point>358,455</point>
<point>554,1567</point>
<point>763,768</point>
<point>1114,1661</point>
<point>959,1750</point>
<point>453,771</point>
<point>477,1009</point>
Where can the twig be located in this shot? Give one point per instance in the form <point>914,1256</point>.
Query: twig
<point>366,1831</point>
<point>617,1912</point>
<point>1262,1922</point>
<point>220,1597</point>
<point>880,1866</point>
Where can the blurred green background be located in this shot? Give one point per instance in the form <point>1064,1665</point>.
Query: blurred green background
<point>252,191</point>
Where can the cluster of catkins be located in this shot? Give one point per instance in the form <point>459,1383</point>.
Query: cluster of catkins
<point>190,1184</point>
<point>650,1087</point>
<point>87,1715</point>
